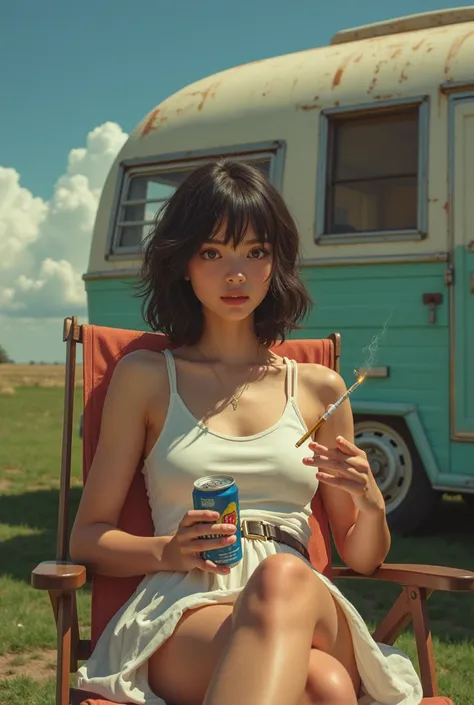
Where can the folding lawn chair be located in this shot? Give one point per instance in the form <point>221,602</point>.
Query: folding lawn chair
<point>102,348</point>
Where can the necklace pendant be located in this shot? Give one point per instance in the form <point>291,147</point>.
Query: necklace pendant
<point>234,402</point>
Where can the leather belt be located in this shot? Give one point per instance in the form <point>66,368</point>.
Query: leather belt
<point>264,531</point>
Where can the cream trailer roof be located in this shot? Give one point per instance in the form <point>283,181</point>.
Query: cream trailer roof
<point>281,98</point>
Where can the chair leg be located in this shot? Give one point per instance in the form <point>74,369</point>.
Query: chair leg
<point>74,635</point>
<point>424,644</point>
<point>395,621</point>
<point>64,629</point>
<point>411,605</point>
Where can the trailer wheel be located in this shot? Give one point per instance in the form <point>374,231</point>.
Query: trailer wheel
<point>469,500</point>
<point>395,462</point>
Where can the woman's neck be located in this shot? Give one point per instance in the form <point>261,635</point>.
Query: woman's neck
<point>232,346</point>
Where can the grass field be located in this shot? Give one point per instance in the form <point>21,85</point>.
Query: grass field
<point>30,433</point>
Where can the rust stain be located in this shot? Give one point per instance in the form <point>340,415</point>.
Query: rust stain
<point>403,76</point>
<point>185,109</point>
<point>336,104</point>
<point>395,48</point>
<point>383,96</point>
<point>358,58</point>
<point>416,46</point>
<point>153,122</point>
<point>454,49</point>
<point>310,106</point>
<point>373,82</point>
<point>340,71</point>
<point>210,92</point>
<point>372,85</point>
<point>446,206</point>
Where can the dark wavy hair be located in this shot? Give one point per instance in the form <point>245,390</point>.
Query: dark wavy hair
<point>238,194</point>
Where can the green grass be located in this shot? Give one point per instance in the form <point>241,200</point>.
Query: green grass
<point>30,456</point>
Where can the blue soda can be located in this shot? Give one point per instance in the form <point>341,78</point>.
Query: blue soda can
<point>219,494</point>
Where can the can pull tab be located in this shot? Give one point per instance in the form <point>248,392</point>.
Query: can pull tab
<point>432,300</point>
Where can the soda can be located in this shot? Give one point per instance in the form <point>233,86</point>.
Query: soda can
<point>219,494</point>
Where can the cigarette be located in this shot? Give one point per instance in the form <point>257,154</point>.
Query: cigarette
<point>329,413</point>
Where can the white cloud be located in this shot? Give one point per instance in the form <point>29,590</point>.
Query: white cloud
<point>21,216</point>
<point>44,245</point>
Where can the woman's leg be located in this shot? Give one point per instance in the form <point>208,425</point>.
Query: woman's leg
<point>180,670</point>
<point>328,682</point>
<point>243,656</point>
<point>284,611</point>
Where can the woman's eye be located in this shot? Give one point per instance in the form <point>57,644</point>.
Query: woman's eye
<point>258,253</point>
<point>210,254</point>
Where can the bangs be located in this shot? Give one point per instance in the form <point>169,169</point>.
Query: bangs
<point>239,210</point>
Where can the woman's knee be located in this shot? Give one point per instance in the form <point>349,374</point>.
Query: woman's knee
<point>276,590</point>
<point>328,683</point>
<point>280,577</point>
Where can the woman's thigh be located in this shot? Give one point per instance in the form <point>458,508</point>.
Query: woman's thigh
<point>343,649</point>
<point>180,670</point>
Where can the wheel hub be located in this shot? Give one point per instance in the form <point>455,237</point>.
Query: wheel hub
<point>389,459</point>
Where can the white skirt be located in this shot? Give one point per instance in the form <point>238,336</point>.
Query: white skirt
<point>118,668</point>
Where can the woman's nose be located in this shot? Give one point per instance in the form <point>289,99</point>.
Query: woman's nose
<point>235,277</point>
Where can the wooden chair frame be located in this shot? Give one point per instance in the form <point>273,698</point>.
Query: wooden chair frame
<point>62,578</point>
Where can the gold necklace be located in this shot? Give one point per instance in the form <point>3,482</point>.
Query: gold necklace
<point>234,398</point>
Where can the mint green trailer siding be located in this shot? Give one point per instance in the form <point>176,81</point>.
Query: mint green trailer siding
<point>357,301</point>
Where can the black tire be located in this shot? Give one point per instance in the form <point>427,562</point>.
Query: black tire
<point>409,498</point>
<point>469,500</point>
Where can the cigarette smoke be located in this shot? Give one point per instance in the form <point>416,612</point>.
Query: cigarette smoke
<point>370,351</point>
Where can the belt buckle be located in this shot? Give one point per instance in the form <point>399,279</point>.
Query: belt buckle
<point>248,535</point>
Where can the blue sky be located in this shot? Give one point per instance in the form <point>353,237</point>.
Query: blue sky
<point>69,68</point>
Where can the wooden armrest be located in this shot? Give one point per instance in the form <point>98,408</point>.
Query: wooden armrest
<point>431,577</point>
<point>58,575</point>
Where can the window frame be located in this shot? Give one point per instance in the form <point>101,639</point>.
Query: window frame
<point>321,237</point>
<point>129,168</point>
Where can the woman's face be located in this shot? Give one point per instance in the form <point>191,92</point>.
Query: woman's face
<point>231,283</point>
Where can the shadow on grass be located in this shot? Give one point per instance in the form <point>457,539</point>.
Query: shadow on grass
<point>37,511</point>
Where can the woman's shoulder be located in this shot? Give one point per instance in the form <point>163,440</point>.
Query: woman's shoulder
<point>141,369</point>
<point>321,381</point>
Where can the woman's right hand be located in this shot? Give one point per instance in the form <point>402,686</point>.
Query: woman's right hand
<point>186,545</point>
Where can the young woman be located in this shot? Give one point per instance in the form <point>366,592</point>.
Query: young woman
<point>220,279</point>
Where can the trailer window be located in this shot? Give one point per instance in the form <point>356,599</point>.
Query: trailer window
<point>144,192</point>
<point>372,178</point>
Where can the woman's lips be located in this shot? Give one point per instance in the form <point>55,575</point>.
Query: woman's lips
<point>234,300</point>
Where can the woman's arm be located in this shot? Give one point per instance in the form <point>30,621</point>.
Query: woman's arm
<point>95,539</point>
<point>353,503</point>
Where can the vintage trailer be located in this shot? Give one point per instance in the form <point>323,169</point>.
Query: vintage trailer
<point>371,142</point>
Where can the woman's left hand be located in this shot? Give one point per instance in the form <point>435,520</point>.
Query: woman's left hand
<point>347,468</point>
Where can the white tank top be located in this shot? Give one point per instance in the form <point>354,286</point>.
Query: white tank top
<point>273,483</point>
